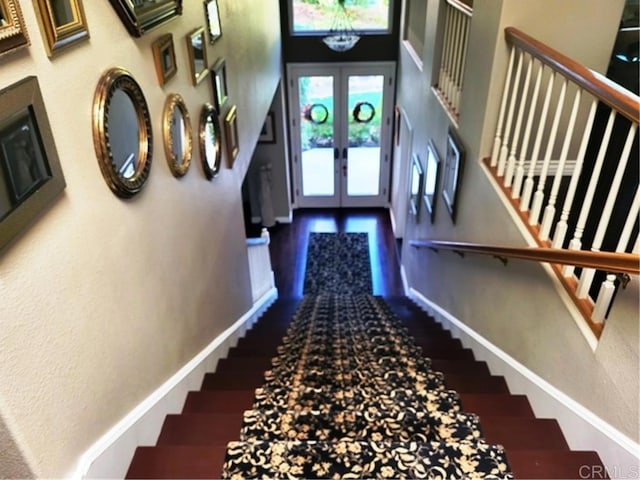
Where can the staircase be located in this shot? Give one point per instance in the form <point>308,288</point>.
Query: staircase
<point>248,387</point>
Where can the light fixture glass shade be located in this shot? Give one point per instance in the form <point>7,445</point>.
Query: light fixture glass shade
<point>342,36</point>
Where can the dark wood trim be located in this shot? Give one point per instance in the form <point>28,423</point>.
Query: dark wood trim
<point>598,85</point>
<point>607,261</point>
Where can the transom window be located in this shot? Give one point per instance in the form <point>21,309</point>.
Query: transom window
<point>316,16</point>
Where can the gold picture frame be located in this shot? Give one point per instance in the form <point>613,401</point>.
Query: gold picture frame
<point>13,33</point>
<point>164,57</point>
<point>30,173</point>
<point>63,24</point>
<point>210,141</point>
<point>231,135</point>
<point>176,134</point>
<point>197,48</point>
<point>140,16</point>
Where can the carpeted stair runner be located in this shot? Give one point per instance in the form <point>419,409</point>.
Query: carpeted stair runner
<point>296,398</point>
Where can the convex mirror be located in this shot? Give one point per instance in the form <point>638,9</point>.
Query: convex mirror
<point>176,132</point>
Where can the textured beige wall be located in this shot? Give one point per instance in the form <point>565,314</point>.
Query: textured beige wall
<point>516,307</point>
<point>104,299</point>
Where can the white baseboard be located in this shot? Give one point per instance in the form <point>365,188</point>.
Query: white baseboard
<point>111,455</point>
<point>582,428</point>
<point>405,282</point>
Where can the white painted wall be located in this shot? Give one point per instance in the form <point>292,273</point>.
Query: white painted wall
<point>516,308</point>
<point>104,299</point>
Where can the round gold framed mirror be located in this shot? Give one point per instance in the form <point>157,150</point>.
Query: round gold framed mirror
<point>176,132</point>
<point>122,134</point>
<point>210,140</point>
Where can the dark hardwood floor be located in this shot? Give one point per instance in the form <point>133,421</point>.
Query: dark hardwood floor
<point>289,247</point>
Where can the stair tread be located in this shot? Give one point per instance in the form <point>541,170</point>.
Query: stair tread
<point>472,383</point>
<point>552,464</point>
<point>522,433</point>
<point>230,380</point>
<point>219,401</point>
<point>452,365</point>
<point>200,429</point>
<point>496,404</point>
<point>177,462</point>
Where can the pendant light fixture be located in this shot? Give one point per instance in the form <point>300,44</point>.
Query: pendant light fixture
<point>342,36</point>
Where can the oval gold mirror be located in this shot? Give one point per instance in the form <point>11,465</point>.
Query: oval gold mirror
<point>210,140</point>
<point>122,132</point>
<point>176,131</point>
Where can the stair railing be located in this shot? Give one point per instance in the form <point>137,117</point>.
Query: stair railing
<point>262,277</point>
<point>561,156</point>
<point>616,265</point>
<point>454,51</point>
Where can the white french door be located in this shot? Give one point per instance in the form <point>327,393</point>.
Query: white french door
<point>340,123</point>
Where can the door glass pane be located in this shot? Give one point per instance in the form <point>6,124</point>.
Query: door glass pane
<point>318,16</point>
<point>316,135</point>
<point>364,120</point>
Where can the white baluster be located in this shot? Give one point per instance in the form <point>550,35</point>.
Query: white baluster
<point>455,39</point>
<point>625,235</point>
<point>495,152</point>
<point>550,210</point>
<point>528,184</point>
<point>604,299</point>
<point>511,161</point>
<point>561,227</point>
<point>576,241</point>
<point>265,234</point>
<point>463,57</point>
<point>517,184</point>
<point>442,83</point>
<point>636,247</point>
<point>586,279</point>
<point>504,150</point>
<point>448,49</point>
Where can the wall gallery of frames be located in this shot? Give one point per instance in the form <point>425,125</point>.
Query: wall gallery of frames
<point>31,177</point>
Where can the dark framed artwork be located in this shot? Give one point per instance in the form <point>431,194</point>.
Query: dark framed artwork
<point>268,132</point>
<point>432,169</point>
<point>219,84</point>
<point>231,134</point>
<point>416,180</point>
<point>453,165</point>
<point>164,57</point>
<point>212,14</point>
<point>30,173</point>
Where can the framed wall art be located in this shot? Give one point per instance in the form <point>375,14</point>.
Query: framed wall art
<point>432,168</point>
<point>63,24</point>
<point>268,132</point>
<point>231,134</point>
<point>30,174</point>
<point>219,84</point>
<point>197,55</point>
<point>212,14</point>
<point>13,34</point>
<point>453,164</point>
<point>416,180</point>
<point>140,16</point>
<point>164,57</point>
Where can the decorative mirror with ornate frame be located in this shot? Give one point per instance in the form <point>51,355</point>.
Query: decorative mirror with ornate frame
<point>13,34</point>
<point>122,134</point>
<point>210,140</point>
<point>140,16</point>
<point>30,173</point>
<point>197,49</point>
<point>164,57</point>
<point>176,133</point>
<point>431,179</point>
<point>62,23</point>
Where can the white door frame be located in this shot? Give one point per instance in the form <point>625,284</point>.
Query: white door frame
<point>341,72</point>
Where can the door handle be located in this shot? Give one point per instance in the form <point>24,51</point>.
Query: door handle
<point>345,155</point>
<point>336,153</point>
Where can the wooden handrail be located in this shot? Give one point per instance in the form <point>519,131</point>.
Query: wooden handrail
<point>607,261</point>
<point>617,98</point>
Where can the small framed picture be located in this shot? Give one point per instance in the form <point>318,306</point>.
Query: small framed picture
<point>219,83</point>
<point>268,132</point>
<point>212,14</point>
<point>164,56</point>
<point>416,179</point>
<point>431,179</point>
<point>453,164</point>
<point>231,134</point>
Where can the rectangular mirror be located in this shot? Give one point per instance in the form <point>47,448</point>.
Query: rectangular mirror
<point>453,164</point>
<point>62,22</point>
<point>13,34</point>
<point>212,14</point>
<point>431,179</point>
<point>30,173</point>
<point>415,185</point>
<point>197,49</point>
<point>140,16</point>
